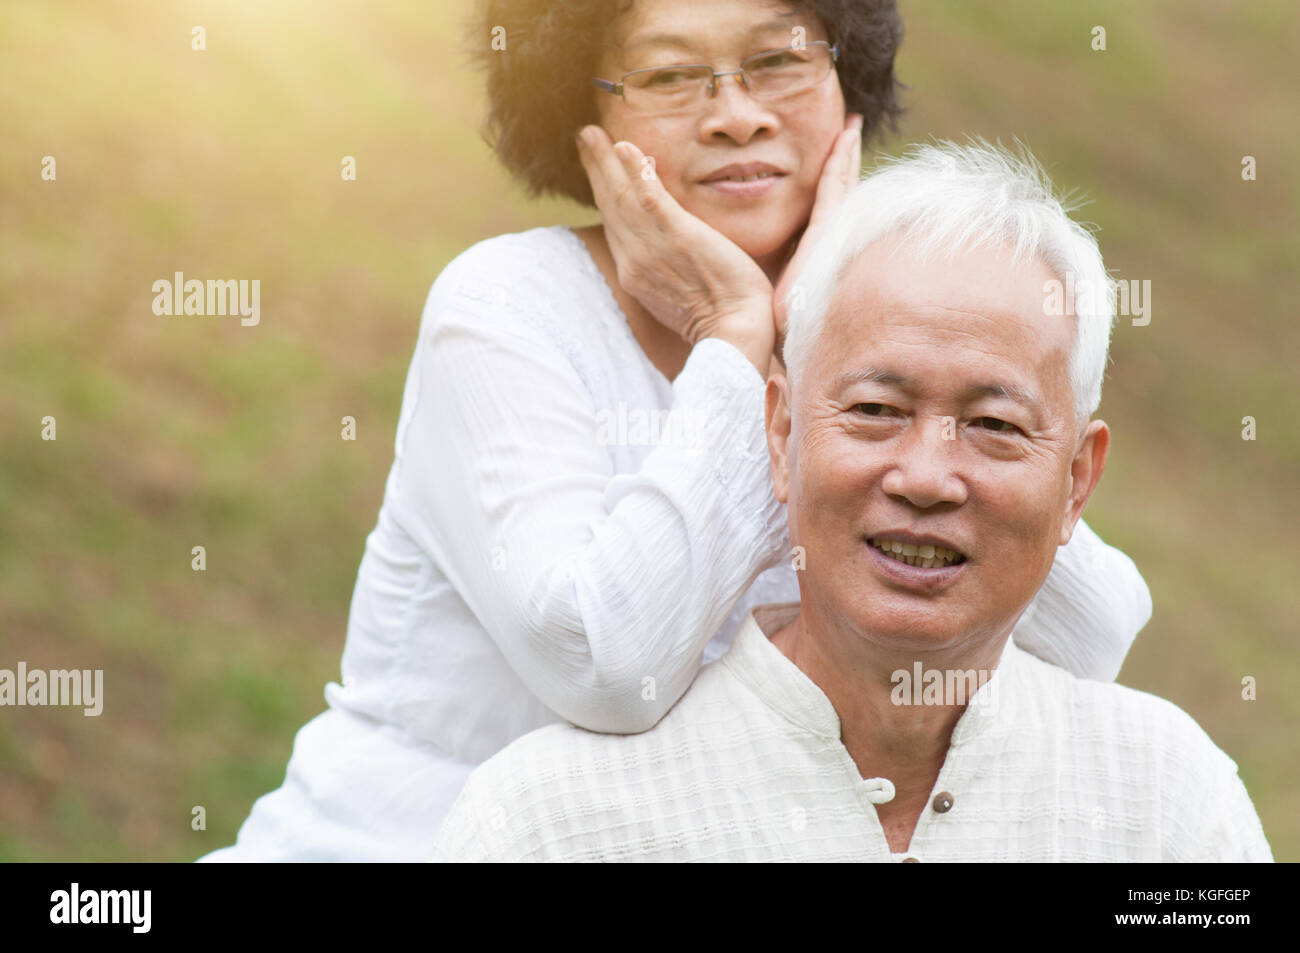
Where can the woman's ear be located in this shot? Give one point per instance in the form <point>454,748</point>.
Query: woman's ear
<point>778,431</point>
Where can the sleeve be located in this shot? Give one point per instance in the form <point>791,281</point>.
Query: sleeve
<point>1210,816</point>
<point>1088,612</point>
<point>600,588</point>
<point>1234,833</point>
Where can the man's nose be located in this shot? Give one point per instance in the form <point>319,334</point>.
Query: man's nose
<point>732,111</point>
<point>923,472</point>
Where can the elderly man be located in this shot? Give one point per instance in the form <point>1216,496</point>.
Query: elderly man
<point>932,438</point>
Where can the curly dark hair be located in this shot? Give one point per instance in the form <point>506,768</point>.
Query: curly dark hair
<point>531,124</point>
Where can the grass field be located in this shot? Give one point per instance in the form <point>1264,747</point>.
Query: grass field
<point>181,432</point>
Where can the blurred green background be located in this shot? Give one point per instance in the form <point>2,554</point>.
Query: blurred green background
<point>177,432</point>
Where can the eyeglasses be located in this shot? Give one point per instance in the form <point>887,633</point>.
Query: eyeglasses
<point>768,75</point>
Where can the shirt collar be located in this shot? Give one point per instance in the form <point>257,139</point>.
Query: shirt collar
<point>993,705</point>
<point>777,681</point>
<point>783,686</point>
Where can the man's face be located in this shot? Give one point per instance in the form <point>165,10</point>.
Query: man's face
<point>935,409</point>
<point>791,136</point>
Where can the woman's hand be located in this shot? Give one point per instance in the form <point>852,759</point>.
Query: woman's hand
<point>840,172</point>
<point>689,276</point>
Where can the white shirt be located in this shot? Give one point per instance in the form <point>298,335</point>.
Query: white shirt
<point>749,767</point>
<point>561,528</point>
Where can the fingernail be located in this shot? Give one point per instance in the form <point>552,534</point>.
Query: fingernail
<point>581,137</point>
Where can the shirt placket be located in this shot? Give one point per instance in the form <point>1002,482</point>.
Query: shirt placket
<point>948,802</point>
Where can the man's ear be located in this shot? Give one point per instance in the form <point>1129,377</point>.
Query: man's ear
<point>778,431</point>
<point>1085,473</point>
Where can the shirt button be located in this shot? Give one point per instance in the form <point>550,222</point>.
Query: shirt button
<point>942,802</point>
<point>878,790</point>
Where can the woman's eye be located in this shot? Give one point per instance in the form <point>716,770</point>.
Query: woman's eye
<point>996,425</point>
<point>774,61</point>
<point>667,77</point>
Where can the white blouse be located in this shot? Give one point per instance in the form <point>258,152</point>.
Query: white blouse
<point>565,536</point>
<point>1042,766</point>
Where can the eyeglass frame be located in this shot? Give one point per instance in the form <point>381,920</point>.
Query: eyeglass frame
<point>617,89</point>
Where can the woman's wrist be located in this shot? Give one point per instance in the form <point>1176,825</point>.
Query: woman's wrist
<point>751,332</point>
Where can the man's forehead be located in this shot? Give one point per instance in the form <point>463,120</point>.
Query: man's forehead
<point>984,279</point>
<point>893,313</point>
<point>981,293</point>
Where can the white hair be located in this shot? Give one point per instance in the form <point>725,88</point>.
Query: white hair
<point>947,196</point>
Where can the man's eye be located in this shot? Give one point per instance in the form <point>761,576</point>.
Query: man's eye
<point>872,410</point>
<point>996,425</point>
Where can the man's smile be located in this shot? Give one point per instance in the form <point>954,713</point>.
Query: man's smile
<point>926,555</point>
<point>908,568</point>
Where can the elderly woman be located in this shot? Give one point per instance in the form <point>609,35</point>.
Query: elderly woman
<point>580,510</point>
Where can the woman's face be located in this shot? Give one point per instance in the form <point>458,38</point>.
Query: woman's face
<point>793,135</point>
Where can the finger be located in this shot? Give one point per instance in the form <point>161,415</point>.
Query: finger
<point>622,164</point>
<point>620,208</point>
<point>638,167</point>
<point>589,165</point>
<point>855,166</point>
<point>840,173</point>
<point>609,178</point>
<point>846,160</point>
<point>654,198</point>
<point>836,179</point>
<point>849,152</point>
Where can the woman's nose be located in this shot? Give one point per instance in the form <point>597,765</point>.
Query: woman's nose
<point>732,111</point>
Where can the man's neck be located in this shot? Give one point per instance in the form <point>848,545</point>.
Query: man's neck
<point>905,743</point>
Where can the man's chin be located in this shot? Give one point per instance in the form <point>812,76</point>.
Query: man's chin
<point>909,623</point>
<point>917,638</point>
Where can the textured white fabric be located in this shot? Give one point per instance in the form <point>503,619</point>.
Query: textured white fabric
<point>749,767</point>
<point>539,554</point>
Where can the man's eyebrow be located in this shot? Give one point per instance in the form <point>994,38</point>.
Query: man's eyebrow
<point>870,375</point>
<point>1007,391</point>
<point>681,40</point>
<point>877,375</point>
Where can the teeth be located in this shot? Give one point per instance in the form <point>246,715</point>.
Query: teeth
<point>923,555</point>
<point>748,178</point>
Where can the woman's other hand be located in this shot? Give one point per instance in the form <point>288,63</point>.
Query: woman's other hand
<point>840,173</point>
